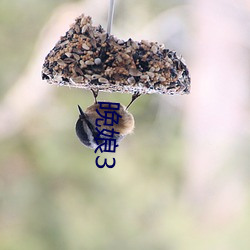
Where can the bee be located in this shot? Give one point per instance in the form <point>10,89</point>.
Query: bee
<point>86,129</point>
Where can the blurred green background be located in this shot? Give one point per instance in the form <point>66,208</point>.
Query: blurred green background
<point>181,181</point>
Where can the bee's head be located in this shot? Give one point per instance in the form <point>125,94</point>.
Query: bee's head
<point>87,130</point>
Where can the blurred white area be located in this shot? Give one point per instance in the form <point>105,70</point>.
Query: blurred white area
<point>217,117</point>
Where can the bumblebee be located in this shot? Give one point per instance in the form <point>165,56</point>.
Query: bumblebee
<point>87,131</point>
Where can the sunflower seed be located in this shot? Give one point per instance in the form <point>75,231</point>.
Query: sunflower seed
<point>135,45</point>
<point>103,80</point>
<point>69,60</point>
<point>64,43</point>
<point>77,57</point>
<point>145,42</point>
<point>144,78</point>
<point>88,77</point>
<point>154,49</point>
<point>77,29</point>
<point>78,70</point>
<point>150,74</point>
<point>131,80</point>
<point>95,76</point>
<point>77,79</point>
<point>88,62</point>
<point>61,62</point>
<point>134,72</point>
<point>120,42</point>
<point>68,54</point>
<point>85,46</point>
<point>84,29</point>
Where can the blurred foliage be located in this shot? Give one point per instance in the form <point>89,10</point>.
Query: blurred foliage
<point>20,24</point>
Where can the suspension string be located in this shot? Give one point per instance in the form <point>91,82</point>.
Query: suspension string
<point>110,15</point>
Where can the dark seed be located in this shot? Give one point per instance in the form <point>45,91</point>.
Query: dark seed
<point>45,77</point>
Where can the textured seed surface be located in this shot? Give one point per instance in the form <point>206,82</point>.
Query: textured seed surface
<point>87,57</point>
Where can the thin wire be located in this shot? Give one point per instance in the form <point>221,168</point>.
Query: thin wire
<point>110,15</point>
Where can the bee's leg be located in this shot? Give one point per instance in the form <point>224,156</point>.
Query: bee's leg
<point>95,94</point>
<point>134,97</point>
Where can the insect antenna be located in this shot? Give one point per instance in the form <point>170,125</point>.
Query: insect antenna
<point>95,94</point>
<point>134,97</point>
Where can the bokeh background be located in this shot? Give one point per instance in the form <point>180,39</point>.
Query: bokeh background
<point>181,181</point>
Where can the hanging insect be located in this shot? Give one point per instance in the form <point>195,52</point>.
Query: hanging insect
<point>87,131</point>
<point>88,57</point>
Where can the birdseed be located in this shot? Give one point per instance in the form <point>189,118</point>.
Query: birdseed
<point>87,57</point>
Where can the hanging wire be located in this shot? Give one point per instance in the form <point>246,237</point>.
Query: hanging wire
<point>110,15</point>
